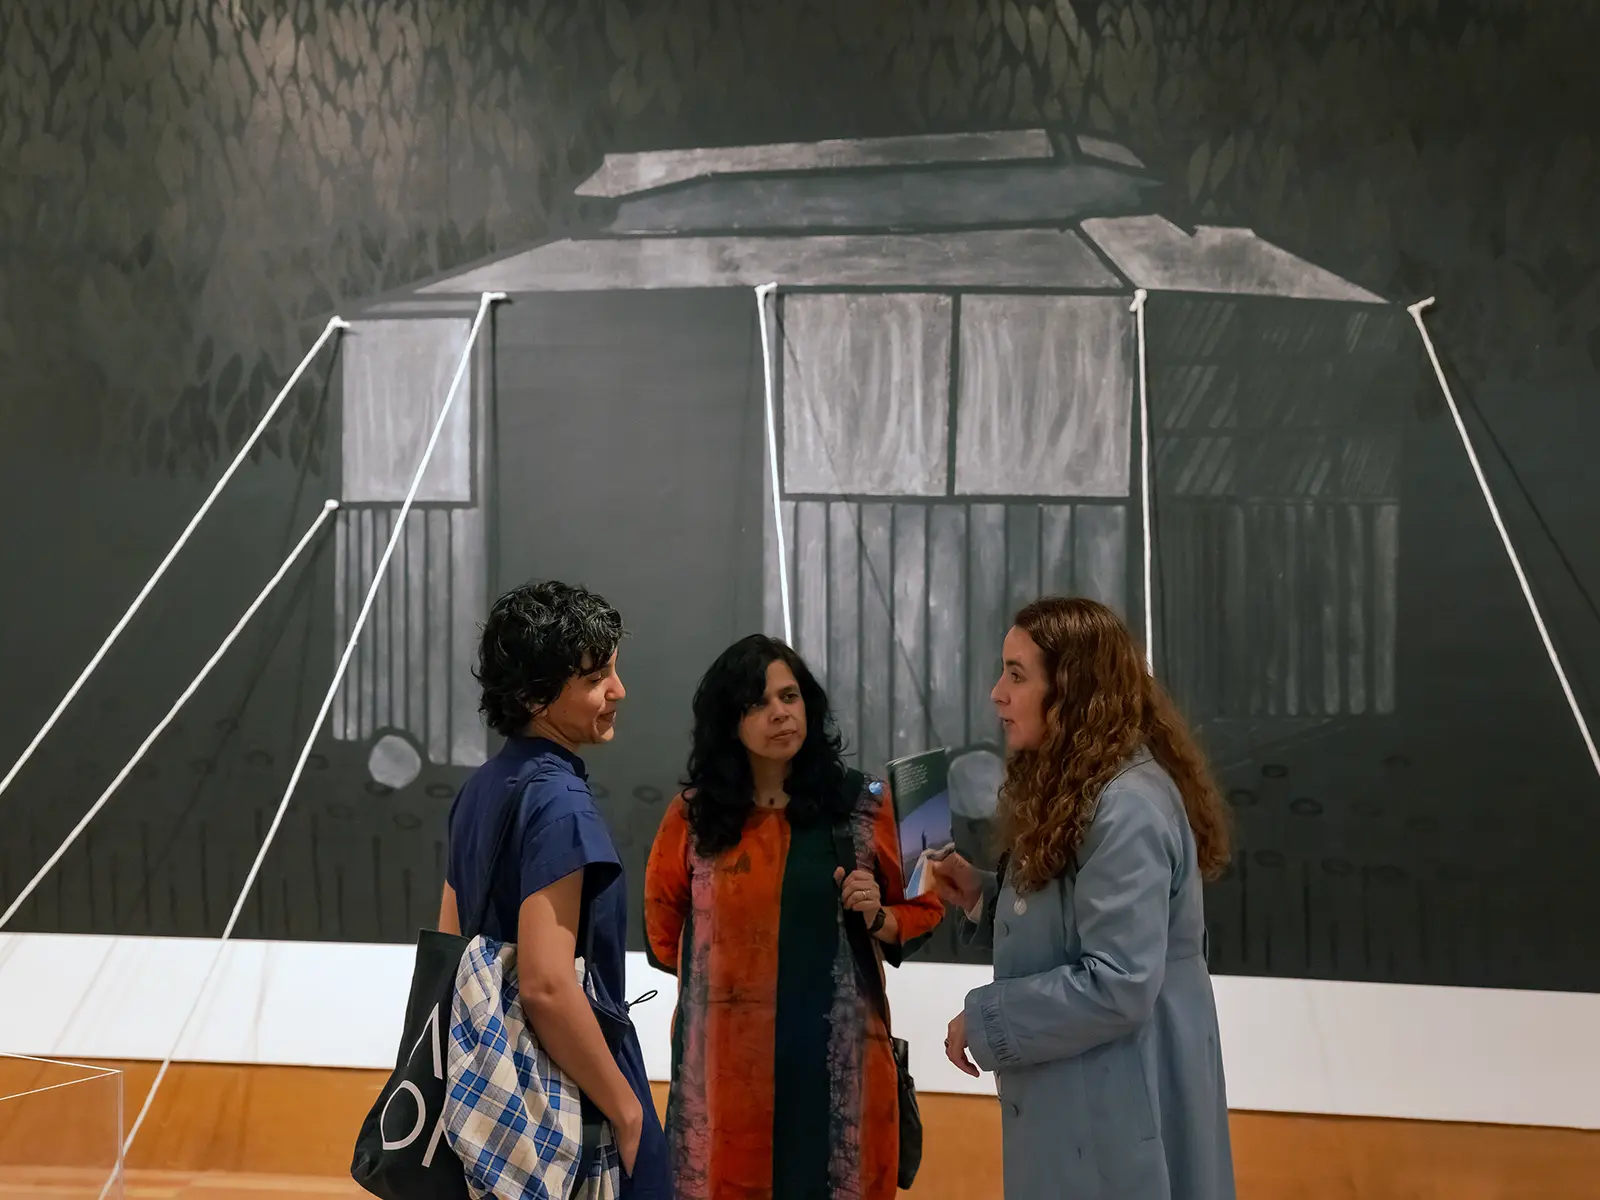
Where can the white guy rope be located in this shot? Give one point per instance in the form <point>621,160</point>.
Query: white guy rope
<point>61,1062</point>
<point>94,1074</point>
<point>1147,534</point>
<point>328,508</point>
<point>1416,311</point>
<point>762,292</point>
<point>52,1087</point>
<point>378,574</point>
<point>334,324</point>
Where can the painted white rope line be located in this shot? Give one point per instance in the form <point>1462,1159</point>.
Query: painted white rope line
<point>334,324</point>
<point>172,713</point>
<point>378,574</point>
<point>762,292</point>
<point>1147,533</point>
<point>1416,311</point>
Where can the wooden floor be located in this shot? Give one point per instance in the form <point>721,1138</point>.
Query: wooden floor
<point>256,1133</point>
<point>71,1184</point>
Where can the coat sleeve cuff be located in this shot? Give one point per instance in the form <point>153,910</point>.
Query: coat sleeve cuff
<point>976,925</point>
<point>987,1037</point>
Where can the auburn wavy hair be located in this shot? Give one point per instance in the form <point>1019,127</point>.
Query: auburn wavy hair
<point>1102,704</point>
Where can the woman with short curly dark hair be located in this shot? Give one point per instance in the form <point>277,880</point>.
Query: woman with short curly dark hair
<point>783,1080</point>
<point>547,666</point>
<point>1100,1024</point>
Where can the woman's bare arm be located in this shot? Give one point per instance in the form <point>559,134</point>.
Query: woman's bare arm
<point>449,916</point>
<point>557,1010</point>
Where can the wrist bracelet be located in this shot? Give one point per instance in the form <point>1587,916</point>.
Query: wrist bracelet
<point>878,921</point>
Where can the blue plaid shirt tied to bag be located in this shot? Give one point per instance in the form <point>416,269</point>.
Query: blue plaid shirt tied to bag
<point>514,1118</point>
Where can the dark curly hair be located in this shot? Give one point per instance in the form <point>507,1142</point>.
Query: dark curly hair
<point>719,791</point>
<point>537,637</point>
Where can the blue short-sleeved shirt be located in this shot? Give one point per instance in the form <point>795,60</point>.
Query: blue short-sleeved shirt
<point>558,831</point>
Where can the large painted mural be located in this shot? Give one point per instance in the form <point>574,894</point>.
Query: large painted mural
<point>960,425</point>
<point>1055,283</point>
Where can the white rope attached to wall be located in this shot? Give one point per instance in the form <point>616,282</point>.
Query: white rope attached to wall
<point>334,325</point>
<point>1147,532</point>
<point>378,574</point>
<point>1416,311</point>
<point>172,713</point>
<point>762,293</point>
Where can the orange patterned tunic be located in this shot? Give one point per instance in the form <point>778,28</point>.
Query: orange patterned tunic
<point>783,1082</point>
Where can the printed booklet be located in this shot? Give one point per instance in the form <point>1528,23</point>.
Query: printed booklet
<point>920,784</point>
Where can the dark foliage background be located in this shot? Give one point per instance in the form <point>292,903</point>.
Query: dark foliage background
<point>189,188</point>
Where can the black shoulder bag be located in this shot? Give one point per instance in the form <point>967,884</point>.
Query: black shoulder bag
<point>401,1152</point>
<point>866,960</point>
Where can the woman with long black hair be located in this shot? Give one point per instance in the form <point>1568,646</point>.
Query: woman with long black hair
<point>783,1081</point>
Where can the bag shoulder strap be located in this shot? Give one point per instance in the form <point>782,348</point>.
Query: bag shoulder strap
<point>510,811</point>
<point>844,839</point>
<point>855,928</point>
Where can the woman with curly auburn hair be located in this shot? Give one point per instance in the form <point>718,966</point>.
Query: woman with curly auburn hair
<point>784,1077</point>
<point>1100,1025</point>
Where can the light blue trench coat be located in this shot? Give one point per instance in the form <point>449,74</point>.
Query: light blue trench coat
<point>1100,1025</point>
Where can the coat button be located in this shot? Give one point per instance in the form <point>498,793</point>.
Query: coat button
<point>1015,1111</point>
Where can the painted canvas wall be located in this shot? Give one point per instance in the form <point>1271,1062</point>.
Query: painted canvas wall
<point>191,190</point>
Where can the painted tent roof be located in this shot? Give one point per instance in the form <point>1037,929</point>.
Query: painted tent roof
<point>1026,208</point>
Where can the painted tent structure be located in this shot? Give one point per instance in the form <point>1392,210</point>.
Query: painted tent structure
<point>957,392</point>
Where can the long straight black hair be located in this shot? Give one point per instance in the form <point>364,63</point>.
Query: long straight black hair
<point>719,790</point>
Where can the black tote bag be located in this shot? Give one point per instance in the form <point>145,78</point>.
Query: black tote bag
<point>401,1152</point>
